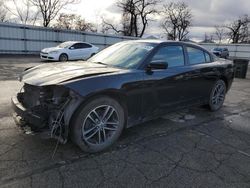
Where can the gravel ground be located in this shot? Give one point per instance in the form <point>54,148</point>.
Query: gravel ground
<point>191,148</point>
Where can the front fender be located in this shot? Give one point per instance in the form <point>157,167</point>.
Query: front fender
<point>89,86</point>
<point>93,85</point>
<point>122,87</point>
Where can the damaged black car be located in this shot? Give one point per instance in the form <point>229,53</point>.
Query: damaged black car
<point>92,102</point>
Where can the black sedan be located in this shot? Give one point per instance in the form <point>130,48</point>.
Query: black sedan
<point>126,84</point>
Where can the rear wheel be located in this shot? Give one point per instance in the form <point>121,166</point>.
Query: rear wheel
<point>63,57</point>
<point>217,95</point>
<point>98,124</point>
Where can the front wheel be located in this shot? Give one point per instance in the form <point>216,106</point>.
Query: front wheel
<point>98,124</point>
<point>217,95</point>
<point>63,57</point>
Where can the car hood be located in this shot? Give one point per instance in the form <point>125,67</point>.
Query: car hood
<point>56,73</point>
<point>47,50</point>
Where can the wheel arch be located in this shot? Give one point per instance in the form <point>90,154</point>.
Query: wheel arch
<point>120,97</point>
<point>63,53</point>
<point>114,94</point>
<point>224,78</point>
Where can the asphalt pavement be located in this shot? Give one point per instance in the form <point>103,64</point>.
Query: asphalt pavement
<point>189,148</point>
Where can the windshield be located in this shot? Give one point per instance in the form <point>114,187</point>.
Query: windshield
<point>124,54</point>
<point>65,44</point>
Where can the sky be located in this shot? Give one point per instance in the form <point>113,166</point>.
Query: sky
<point>206,13</point>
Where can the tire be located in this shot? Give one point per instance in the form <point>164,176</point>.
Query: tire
<point>63,57</point>
<point>217,96</point>
<point>93,134</point>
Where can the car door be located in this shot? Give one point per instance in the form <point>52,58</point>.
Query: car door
<point>74,51</point>
<point>165,89</point>
<point>201,74</point>
<point>86,50</point>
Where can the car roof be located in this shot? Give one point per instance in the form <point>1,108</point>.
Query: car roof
<point>220,48</point>
<point>73,42</point>
<point>157,41</point>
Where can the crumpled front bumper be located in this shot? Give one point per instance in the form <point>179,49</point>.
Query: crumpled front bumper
<point>25,116</point>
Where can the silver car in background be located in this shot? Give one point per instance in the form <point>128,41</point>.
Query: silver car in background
<point>221,52</point>
<point>70,50</point>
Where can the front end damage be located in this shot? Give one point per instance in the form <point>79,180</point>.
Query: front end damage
<point>45,109</point>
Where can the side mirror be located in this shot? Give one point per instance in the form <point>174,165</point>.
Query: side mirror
<point>156,65</point>
<point>72,48</point>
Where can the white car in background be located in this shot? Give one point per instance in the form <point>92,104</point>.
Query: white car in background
<point>70,50</point>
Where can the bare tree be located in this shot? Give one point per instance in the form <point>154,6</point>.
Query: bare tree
<point>82,25</point>
<point>103,26</point>
<point>127,27</point>
<point>22,11</point>
<point>49,9</point>
<point>208,38</point>
<point>73,21</point>
<point>145,9</point>
<point>129,17</point>
<point>238,30</point>
<point>3,12</point>
<point>135,17</point>
<point>65,21</point>
<point>177,19</point>
<point>107,25</point>
<point>220,32</point>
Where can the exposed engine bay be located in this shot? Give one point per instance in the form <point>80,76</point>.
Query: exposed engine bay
<point>48,109</point>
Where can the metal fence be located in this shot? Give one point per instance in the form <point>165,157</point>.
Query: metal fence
<point>235,50</point>
<point>24,39</point>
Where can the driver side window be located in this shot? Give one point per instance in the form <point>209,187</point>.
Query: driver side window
<point>173,55</point>
<point>77,46</point>
<point>74,46</point>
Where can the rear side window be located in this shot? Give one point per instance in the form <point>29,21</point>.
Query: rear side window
<point>173,55</point>
<point>81,45</point>
<point>84,45</point>
<point>196,56</point>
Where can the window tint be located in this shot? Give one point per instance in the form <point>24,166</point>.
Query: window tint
<point>173,55</point>
<point>207,56</point>
<point>76,46</point>
<point>81,45</point>
<point>195,56</point>
<point>84,45</point>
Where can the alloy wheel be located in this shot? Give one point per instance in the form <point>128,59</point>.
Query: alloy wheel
<point>63,58</point>
<point>100,125</point>
<point>218,94</point>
